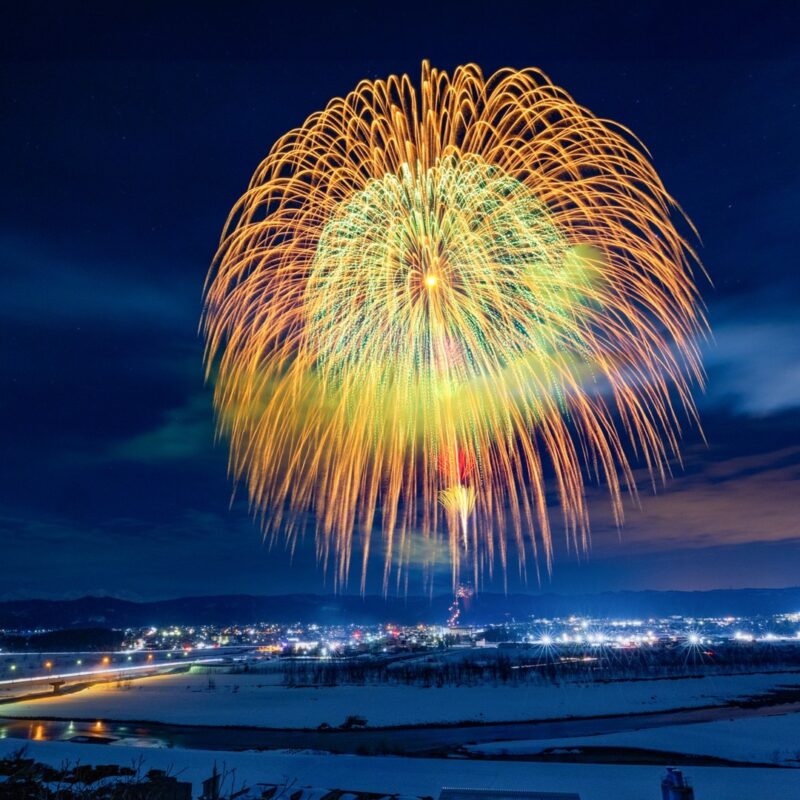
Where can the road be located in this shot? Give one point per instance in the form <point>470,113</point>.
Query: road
<point>26,669</point>
<point>104,674</point>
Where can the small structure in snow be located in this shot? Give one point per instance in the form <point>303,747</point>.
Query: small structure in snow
<point>675,787</point>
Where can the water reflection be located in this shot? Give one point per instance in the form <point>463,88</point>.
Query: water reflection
<point>96,732</point>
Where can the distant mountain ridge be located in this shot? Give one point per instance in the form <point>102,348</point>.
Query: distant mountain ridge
<point>336,609</point>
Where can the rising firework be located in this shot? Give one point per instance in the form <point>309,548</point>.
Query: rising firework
<point>431,302</point>
<point>463,594</point>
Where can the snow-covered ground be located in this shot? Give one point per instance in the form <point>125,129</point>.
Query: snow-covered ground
<point>765,740</point>
<point>426,776</point>
<point>260,700</point>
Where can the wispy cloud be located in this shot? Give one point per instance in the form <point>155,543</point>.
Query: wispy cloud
<point>754,360</point>
<point>184,432</point>
<point>51,287</point>
<point>731,501</point>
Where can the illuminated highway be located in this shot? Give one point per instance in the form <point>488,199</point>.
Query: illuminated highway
<point>50,668</point>
<point>119,670</point>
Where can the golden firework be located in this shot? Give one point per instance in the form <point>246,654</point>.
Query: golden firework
<point>474,266</point>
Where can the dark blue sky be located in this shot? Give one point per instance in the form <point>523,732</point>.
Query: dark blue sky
<point>126,138</point>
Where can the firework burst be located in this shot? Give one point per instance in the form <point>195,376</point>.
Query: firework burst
<point>429,299</point>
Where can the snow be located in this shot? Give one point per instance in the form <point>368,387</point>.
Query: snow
<point>765,740</point>
<point>261,700</point>
<point>426,776</point>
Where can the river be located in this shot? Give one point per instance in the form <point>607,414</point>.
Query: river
<point>406,740</point>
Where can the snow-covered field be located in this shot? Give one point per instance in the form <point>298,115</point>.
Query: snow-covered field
<point>765,740</point>
<point>260,700</point>
<point>427,776</point>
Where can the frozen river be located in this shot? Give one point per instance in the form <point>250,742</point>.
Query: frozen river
<point>408,740</point>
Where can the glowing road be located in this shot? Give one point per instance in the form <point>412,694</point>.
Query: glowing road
<point>119,670</point>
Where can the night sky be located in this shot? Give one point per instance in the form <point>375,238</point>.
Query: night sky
<point>125,141</point>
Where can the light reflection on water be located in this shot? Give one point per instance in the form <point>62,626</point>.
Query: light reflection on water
<point>96,732</point>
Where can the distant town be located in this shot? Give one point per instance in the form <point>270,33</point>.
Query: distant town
<point>590,644</point>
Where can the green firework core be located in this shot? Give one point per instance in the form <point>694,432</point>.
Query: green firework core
<point>415,275</point>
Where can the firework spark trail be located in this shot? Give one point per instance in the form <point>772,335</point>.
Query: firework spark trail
<point>476,266</point>
<point>459,500</point>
